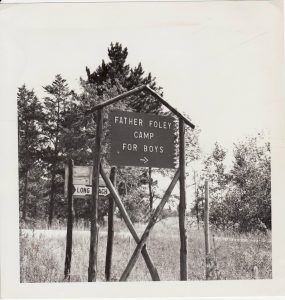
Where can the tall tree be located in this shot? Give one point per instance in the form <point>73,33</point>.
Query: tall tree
<point>250,199</point>
<point>57,105</point>
<point>118,73</point>
<point>29,117</point>
<point>241,197</point>
<point>214,172</point>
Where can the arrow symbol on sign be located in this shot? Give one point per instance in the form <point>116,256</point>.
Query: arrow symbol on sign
<point>144,160</point>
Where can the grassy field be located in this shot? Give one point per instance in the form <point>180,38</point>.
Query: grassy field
<point>233,256</point>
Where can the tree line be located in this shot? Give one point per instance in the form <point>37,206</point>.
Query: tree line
<point>240,197</point>
<point>53,128</point>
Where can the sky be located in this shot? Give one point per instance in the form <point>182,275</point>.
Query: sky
<point>216,61</point>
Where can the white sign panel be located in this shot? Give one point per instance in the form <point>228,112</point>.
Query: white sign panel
<point>82,175</point>
<point>84,190</point>
<point>103,191</point>
<point>82,182</point>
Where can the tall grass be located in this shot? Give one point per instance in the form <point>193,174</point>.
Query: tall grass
<point>233,256</point>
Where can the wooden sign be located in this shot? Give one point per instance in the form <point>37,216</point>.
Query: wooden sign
<point>145,140</point>
<point>82,182</point>
<point>82,175</point>
<point>84,190</point>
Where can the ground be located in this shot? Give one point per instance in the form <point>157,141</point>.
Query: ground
<point>233,256</point>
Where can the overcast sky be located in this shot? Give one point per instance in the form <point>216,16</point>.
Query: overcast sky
<point>215,61</point>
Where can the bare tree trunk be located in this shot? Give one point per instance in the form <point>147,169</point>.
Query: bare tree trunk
<point>51,203</point>
<point>25,196</point>
<point>68,249</point>
<point>110,237</point>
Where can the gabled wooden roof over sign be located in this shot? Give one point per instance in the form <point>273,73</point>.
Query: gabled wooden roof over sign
<point>144,88</point>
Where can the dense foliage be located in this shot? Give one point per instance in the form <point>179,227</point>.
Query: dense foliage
<point>240,198</point>
<point>55,128</point>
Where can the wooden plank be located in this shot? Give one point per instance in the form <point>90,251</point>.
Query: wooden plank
<point>119,203</point>
<point>149,227</point>
<point>182,203</point>
<point>82,171</point>
<point>137,90</point>
<point>92,269</point>
<point>206,229</point>
<point>110,236</point>
<point>83,175</point>
<point>166,104</point>
<point>68,250</point>
<point>82,181</point>
<point>115,99</point>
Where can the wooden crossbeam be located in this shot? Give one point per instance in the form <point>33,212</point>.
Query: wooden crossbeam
<point>149,227</point>
<point>137,90</point>
<point>166,104</point>
<point>119,203</point>
<point>115,99</point>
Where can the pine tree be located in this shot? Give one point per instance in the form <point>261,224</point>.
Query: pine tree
<point>29,117</point>
<point>57,105</point>
<point>117,73</point>
<point>118,76</point>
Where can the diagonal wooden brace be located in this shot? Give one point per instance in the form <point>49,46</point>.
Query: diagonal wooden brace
<point>119,203</point>
<point>149,227</point>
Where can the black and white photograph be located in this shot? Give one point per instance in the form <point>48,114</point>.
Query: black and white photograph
<point>144,137</point>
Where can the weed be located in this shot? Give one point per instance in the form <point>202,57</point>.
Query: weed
<point>232,256</point>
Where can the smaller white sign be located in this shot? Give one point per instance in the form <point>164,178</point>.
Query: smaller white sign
<point>82,190</point>
<point>103,191</point>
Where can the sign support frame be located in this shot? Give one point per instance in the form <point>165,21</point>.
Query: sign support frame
<point>206,229</point>
<point>152,222</point>
<point>141,246</point>
<point>70,217</point>
<point>110,234</point>
<point>94,227</point>
<point>182,203</point>
<point>129,224</point>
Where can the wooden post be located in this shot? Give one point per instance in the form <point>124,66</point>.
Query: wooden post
<point>119,203</point>
<point>110,237</point>
<point>92,269</point>
<point>68,251</point>
<point>182,203</point>
<point>206,227</point>
<point>196,201</point>
<point>150,190</point>
<point>149,227</point>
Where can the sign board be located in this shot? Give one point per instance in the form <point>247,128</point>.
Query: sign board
<point>103,191</point>
<point>84,190</point>
<point>145,140</point>
<point>82,175</point>
<point>82,182</point>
